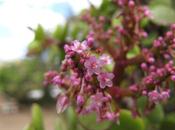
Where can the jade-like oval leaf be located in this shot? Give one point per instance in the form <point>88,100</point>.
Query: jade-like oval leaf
<point>90,122</point>
<point>60,32</point>
<point>168,122</point>
<point>37,117</point>
<point>34,47</point>
<point>141,104</point>
<point>60,124</point>
<point>72,119</point>
<point>133,52</point>
<point>128,122</point>
<point>154,3</point>
<point>75,32</point>
<point>163,15</point>
<point>156,115</point>
<point>29,127</point>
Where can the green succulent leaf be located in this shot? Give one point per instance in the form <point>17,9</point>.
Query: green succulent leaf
<point>168,122</point>
<point>132,53</point>
<point>39,33</point>
<point>72,119</point>
<point>154,3</point>
<point>60,124</point>
<point>35,45</point>
<point>149,40</point>
<point>163,15</point>
<point>156,115</point>
<point>128,122</point>
<point>90,122</point>
<point>29,127</point>
<point>141,103</point>
<point>60,32</point>
<point>37,117</point>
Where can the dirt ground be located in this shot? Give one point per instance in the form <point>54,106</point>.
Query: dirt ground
<point>17,121</point>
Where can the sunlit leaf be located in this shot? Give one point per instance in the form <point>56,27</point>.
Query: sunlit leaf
<point>154,3</point>
<point>133,52</point>
<point>60,32</point>
<point>39,33</point>
<point>163,15</point>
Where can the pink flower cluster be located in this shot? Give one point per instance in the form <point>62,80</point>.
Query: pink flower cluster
<point>84,78</point>
<point>156,96</point>
<point>159,67</point>
<point>84,74</point>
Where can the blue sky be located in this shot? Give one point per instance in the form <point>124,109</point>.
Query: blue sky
<point>17,15</point>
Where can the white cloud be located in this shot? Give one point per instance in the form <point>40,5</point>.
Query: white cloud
<point>17,15</point>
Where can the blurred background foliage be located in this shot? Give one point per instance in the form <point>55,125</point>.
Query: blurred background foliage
<point>18,78</point>
<point>45,52</point>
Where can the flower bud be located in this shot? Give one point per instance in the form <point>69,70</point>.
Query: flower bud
<point>144,66</point>
<point>80,100</point>
<point>62,103</point>
<point>173,77</point>
<point>131,4</point>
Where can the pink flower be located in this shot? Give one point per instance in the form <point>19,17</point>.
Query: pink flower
<point>144,66</point>
<point>144,92</point>
<point>105,79</point>
<point>80,100</point>
<point>147,13</point>
<point>67,48</point>
<point>97,101</point>
<point>154,96</point>
<point>90,41</point>
<point>62,103</point>
<point>74,80</point>
<point>57,80</point>
<point>121,2</point>
<point>75,47</point>
<point>173,77</point>
<point>48,77</point>
<point>79,47</point>
<point>133,88</point>
<point>165,95</point>
<point>112,116</point>
<point>105,59</point>
<point>92,65</point>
